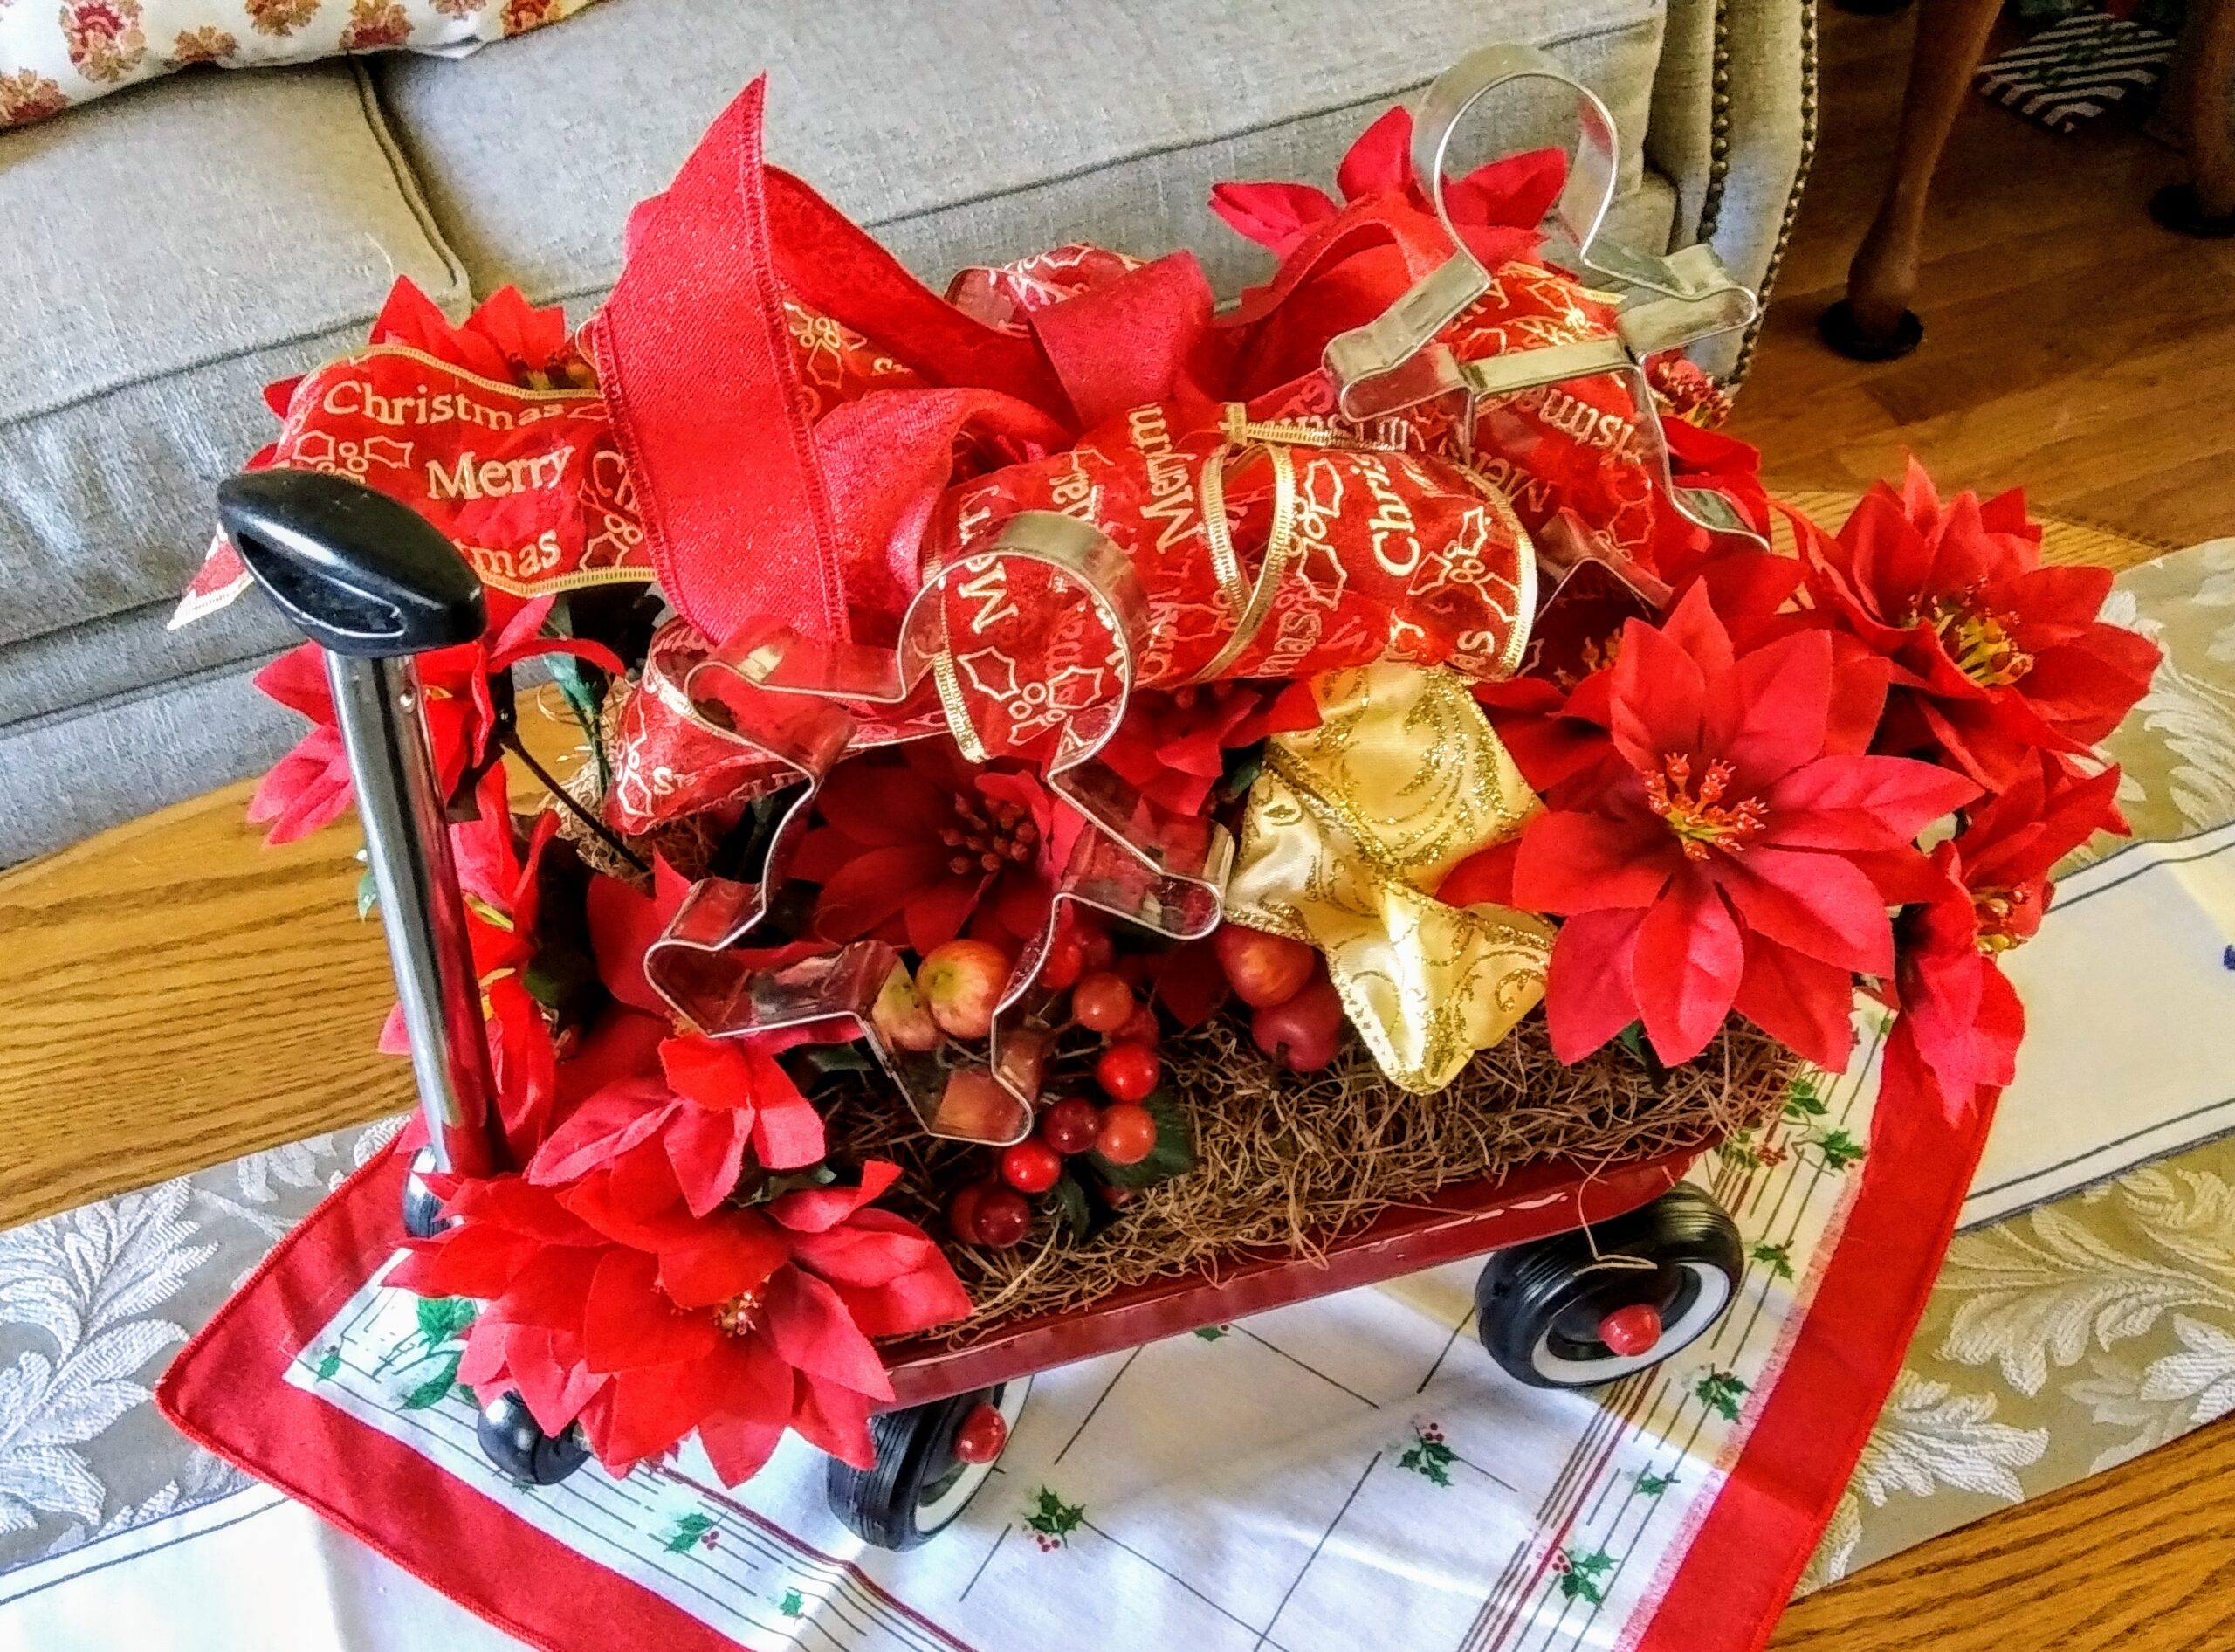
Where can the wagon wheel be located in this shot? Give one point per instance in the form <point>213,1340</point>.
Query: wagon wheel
<point>512,1439</point>
<point>931,1461</point>
<point>423,1205</point>
<point>1578,1310</point>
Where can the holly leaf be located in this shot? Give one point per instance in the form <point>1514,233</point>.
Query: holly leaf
<point>328,1363</point>
<point>1071,1207</point>
<point>430,1392</point>
<point>1173,1155</point>
<point>445,1318</point>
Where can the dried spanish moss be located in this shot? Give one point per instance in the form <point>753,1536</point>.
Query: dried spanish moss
<point>1291,1162</point>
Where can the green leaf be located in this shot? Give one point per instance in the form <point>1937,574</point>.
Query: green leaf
<point>1632,1038</point>
<point>328,1363</point>
<point>432,1391</point>
<point>1650,1484</point>
<point>369,894</point>
<point>791,1605</point>
<point>1243,767</point>
<point>822,1060</point>
<point>1071,1207</point>
<point>1801,1101</point>
<point>1173,1155</point>
<point>1051,1517</point>
<point>1212,1333</point>
<point>1837,1149</point>
<point>1777,1258</point>
<point>688,1532</point>
<point>771,1184</point>
<point>445,1318</point>
<point>1721,1390</point>
<point>586,701</point>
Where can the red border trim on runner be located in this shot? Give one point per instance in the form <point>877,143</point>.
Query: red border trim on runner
<point>1800,1454</point>
<point>227,1391</point>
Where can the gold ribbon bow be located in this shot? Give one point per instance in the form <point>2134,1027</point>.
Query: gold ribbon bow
<point>1349,827</point>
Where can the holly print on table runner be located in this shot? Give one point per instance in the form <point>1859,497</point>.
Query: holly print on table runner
<point>1428,1455</point>
<point>1051,1520</point>
<point>424,1362</point>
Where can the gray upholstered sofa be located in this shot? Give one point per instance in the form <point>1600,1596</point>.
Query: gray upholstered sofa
<point>168,251</point>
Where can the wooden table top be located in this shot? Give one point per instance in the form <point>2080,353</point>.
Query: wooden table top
<point>172,995</point>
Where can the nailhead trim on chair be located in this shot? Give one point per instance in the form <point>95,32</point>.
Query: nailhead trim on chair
<point>1799,177</point>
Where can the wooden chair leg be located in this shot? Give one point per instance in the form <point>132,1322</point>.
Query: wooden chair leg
<point>1874,322</point>
<point>2205,205</point>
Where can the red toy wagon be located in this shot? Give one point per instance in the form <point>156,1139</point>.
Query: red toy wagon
<point>1592,1275</point>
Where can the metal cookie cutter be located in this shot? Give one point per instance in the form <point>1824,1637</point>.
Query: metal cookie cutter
<point>793,700</point>
<point>1395,360</point>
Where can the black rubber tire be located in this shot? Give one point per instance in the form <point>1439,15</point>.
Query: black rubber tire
<point>915,1456</point>
<point>423,1208</point>
<point>512,1439</point>
<point>1534,1303</point>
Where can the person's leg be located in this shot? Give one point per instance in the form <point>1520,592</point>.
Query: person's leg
<point>2205,206</point>
<point>1875,321</point>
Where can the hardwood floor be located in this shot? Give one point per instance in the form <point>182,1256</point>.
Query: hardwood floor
<point>2072,346</point>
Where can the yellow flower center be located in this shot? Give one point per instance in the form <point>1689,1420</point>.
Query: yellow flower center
<point>739,1314</point>
<point>1700,819</point>
<point>2005,917</point>
<point>1977,640</point>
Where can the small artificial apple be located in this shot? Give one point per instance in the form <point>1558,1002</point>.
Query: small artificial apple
<point>900,1015</point>
<point>1263,969</point>
<point>1301,1032</point>
<point>960,983</point>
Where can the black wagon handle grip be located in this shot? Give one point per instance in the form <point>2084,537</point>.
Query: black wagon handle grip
<point>362,574</point>
<point>374,583</point>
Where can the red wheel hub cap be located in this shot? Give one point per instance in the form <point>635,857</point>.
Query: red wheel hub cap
<point>982,1434</point>
<point>1632,1331</point>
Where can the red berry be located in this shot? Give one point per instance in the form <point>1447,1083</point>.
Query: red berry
<point>1002,1217</point>
<point>1031,1167</point>
<point>1128,1071</point>
<point>1143,1028</point>
<point>1119,1198</point>
<point>983,1433</point>
<point>1102,1002</point>
<point>1127,1136</point>
<point>1070,1125</point>
<point>1095,946</point>
<point>962,1212</point>
<point>1263,969</point>
<point>1066,960</point>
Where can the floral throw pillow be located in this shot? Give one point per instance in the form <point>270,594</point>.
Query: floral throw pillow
<point>54,53</point>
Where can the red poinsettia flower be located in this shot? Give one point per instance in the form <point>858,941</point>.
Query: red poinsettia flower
<point>711,1102</point>
<point>507,337</point>
<point>1726,859</point>
<point>912,845</point>
<point>1995,656</point>
<point>1960,1021</point>
<point>1495,208</point>
<point>734,1327</point>
<point>1556,719</point>
<point>1172,746</point>
<point>309,788</point>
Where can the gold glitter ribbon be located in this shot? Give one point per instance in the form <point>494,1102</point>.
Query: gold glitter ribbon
<point>1348,828</point>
